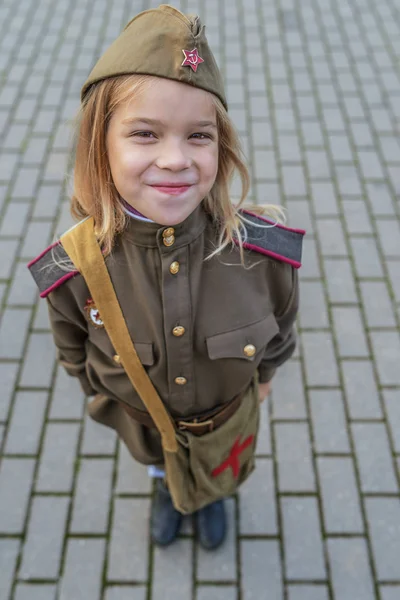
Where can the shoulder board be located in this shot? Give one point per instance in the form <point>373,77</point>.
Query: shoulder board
<point>279,242</point>
<point>46,269</point>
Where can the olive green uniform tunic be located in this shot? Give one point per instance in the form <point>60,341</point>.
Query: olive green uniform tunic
<point>201,329</point>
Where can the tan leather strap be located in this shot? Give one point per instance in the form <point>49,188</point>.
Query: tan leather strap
<point>81,245</point>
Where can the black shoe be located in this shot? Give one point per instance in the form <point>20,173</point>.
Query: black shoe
<point>211,525</point>
<point>165,519</point>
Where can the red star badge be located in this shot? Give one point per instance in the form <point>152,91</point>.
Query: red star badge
<point>192,59</point>
<point>233,459</point>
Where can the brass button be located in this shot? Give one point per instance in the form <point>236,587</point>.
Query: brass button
<point>168,241</point>
<point>168,232</point>
<point>180,380</point>
<point>249,350</point>
<point>178,331</point>
<point>117,359</point>
<point>174,268</point>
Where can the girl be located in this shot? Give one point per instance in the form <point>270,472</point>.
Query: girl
<point>208,291</point>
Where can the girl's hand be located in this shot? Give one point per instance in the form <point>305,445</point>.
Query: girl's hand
<point>264,390</point>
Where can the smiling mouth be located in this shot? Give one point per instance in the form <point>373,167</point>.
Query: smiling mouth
<point>172,190</point>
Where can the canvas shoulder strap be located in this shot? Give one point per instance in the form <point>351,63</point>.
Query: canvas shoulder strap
<point>81,245</point>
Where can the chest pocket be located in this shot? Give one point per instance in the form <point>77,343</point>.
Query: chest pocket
<point>144,351</point>
<point>244,342</point>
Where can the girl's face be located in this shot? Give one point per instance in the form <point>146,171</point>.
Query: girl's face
<point>163,150</point>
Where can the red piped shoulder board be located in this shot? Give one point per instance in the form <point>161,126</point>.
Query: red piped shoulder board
<point>51,269</point>
<point>278,241</point>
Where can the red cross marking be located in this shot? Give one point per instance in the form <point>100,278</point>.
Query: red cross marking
<point>233,458</point>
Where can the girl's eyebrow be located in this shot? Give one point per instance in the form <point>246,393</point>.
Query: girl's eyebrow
<point>134,120</point>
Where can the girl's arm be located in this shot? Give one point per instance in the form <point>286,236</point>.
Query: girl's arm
<point>70,337</point>
<point>282,346</point>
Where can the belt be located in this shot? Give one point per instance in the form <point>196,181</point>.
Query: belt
<point>198,425</point>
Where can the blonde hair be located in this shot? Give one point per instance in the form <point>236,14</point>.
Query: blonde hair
<point>94,192</point>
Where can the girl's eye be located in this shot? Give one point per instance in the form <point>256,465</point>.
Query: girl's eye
<point>143,134</point>
<point>201,136</point>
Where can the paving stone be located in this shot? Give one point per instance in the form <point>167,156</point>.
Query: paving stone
<point>357,217</point>
<point>68,398</point>
<point>8,163</point>
<point>23,289</point>
<point>394,274</point>
<point>312,133</point>
<point>37,238</point>
<point>350,335</point>
<point>47,200</point>
<point>320,362</point>
<point>83,569</point>
<point>92,496</point>
<point>310,265</point>
<point>329,421</point>
<point>220,565</point>
<point>128,548</point>
<point>308,592</point>
<point>41,319</point>
<point>35,151</point>
<point>288,400</point>
<point>380,199</point>
<point>340,281</point>
<point>26,423</point>
<point>293,452</point>
<point>389,592</point>
<point>374,459</point>
<point>119,592</point>
<point>350,569</point>
<point>294,183</point>
<point>392,407</point>
<point>370,164</point>
<point>348,180</point>
<point>317,163</point>
<point>25,182</point>
<point>14,219</point>
<point>289,148</point>
<point>263,446</point>
<point>13,330</point>
<point>340,499</point>
<point>57,460</point>
<point>389,237</point>
<point>386,350</point>
<point>172,572</point>
<point>383,516</point>
<point>304,556</point>
<point>257,505</point>
<point>331,237</point>
<point>132,477</point>
<point>26,591</point>
<point>299,215</point>
<point>377,304</point>
<point>16,476</point>
<point>324,199</point>
<point>39,361</point>
<point>8,376</point>
<point>366,257</point>
<point>42,551</point>
<point>313,311</point>
<point>362,395</point>
<point>265,164</point>
<point>8,251</point>
<point>97,439</point>
<point>9,549</point>
<point>261,569</point>
<point>15,136</point>
<point>220,592</point>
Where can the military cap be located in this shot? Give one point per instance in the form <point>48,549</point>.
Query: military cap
<point>162,42</point>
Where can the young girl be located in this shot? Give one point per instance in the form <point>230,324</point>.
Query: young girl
<point>209,291</point>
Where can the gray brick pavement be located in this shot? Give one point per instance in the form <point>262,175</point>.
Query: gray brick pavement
<point>314,89</point>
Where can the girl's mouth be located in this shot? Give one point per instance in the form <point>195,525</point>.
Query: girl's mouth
<point>172,190</point>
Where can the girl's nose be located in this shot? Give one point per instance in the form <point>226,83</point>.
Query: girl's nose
<point>172,156</point>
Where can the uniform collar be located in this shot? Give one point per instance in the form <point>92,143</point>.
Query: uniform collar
<point>150,235</point>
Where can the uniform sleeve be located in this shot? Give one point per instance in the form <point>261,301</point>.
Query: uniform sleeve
<point>70,334</point>
<point>282,346</point>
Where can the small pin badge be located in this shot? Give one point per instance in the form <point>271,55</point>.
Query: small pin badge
<point>93,315</point>
<point>192,59</point>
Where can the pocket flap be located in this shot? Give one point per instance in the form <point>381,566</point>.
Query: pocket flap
<point>232,344</point>
<point>145,353</point>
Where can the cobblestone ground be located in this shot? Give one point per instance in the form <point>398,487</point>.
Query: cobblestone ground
<point>314,90</point>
